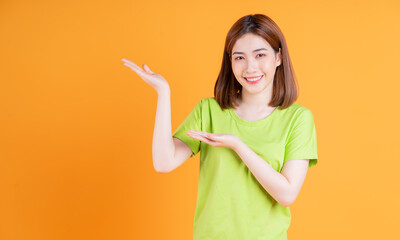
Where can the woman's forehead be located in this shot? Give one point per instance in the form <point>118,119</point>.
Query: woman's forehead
<point>250,43</point>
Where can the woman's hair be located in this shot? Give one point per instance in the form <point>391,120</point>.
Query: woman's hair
<point>227,88</point>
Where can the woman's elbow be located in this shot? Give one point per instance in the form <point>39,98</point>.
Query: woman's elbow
<point>285,204</point>
<point>287,201</point>
<point>160,170</point>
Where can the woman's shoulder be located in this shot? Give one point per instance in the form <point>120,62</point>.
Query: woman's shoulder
<point>297,112</point>
<point>209,104</point>
<point>296,109</point>
<point>206,102</point>
<point>209,101</point>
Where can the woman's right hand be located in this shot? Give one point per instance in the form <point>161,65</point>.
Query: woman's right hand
<point>155,80</point>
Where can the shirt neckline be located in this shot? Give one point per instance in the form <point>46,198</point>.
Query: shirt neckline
<point>252,123</point>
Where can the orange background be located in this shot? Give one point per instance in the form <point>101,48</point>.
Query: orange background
<point>76,125</point>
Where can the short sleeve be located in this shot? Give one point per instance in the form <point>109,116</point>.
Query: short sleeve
<point>302,139</point>
<point>191,122</point>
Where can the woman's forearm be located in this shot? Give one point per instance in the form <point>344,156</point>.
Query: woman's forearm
<point>272,181</point>
<point>163,146</point>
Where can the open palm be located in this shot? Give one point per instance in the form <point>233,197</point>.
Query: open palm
<point>155,80</point>
<point>215,139</point>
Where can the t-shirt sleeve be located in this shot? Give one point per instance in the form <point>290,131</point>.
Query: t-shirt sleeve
<point>191,122</point>
<point>302,139</point>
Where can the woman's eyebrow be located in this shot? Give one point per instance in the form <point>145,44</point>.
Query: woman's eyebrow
<point>259,49</point>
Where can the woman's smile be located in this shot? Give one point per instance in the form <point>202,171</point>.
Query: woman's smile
<point>253,80</point>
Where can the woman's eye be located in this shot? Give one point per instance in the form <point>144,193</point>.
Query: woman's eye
<point>260,54</point>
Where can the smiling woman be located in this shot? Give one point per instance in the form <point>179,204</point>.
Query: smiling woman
<point>271,140</point>
<point>256,144</point>
<point>255,46</point>
<point>255,70</point>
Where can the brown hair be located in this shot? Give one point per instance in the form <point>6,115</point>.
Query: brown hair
<point>227,88</point>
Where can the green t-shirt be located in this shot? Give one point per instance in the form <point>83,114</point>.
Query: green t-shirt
<point>231,203</point>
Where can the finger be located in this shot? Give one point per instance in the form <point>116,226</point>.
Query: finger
<point>139,72</point>
<point>136,68</point>
<point>213,136</point>
<point>127,61</point>
<point>146,68</point>
<point>204,134</point>
<point>197,133</point>
<point>201,138</point>
<point>132,65</point>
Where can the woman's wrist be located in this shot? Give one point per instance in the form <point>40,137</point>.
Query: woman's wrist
<point>237,144</point>
<point>164,91</point>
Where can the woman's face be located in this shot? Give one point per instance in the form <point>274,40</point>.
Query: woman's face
<point>254,63</point>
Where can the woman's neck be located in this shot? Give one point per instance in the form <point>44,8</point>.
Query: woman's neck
<point>254,102</point>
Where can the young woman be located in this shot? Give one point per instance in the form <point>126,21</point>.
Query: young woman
<point>256,144</point>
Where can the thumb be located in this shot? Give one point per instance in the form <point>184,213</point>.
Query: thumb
<point>146,68</point>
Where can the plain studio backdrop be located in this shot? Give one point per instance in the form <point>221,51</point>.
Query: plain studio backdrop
<point>76,125</point>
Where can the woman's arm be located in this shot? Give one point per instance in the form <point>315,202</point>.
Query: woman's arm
<point>168,153</point>
<point>284,187</point>
<point>163,147</point>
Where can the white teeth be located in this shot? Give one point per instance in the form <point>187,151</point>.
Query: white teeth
<point>254,79</point>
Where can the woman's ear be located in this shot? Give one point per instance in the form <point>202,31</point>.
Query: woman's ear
<point>279,58</point>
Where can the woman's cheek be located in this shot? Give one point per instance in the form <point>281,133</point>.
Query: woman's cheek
<point>236,71</point>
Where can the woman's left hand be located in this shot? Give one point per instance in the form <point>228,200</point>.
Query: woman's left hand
<point>215,139</point>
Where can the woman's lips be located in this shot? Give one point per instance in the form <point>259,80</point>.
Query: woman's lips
<point>254,82</point>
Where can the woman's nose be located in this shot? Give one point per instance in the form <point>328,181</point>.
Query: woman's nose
<point>251,65</point>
